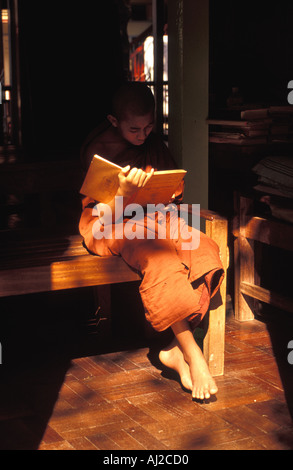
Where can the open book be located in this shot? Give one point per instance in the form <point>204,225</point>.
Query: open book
<point>101,183</point>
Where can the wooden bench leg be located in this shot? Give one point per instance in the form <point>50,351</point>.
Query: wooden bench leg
<point>214,341</point>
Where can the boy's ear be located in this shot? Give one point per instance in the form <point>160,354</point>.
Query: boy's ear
<point>112,120</point>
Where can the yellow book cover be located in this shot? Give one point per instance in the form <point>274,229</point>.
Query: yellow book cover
<point>101,183</point>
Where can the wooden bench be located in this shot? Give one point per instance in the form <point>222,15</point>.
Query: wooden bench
<point>52,257</point>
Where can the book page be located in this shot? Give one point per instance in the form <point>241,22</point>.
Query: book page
<point>160,188</point>
<point>101,183</point>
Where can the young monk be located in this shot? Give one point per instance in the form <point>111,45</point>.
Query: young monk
<point>177,284</point>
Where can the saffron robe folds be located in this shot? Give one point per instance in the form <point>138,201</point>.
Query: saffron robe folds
<point>176,283</point>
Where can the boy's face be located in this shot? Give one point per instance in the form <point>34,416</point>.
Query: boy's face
<point>134,129</point>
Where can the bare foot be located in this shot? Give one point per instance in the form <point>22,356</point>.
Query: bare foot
<point>172,357</point>
<point>203,383</point>
<point>194,374</point>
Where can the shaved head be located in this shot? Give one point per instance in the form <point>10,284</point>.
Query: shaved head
<point>133,98</point>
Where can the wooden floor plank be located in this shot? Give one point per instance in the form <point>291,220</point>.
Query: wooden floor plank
<point>122,401</point>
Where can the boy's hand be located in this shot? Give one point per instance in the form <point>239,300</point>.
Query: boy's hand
<point>131,179</point>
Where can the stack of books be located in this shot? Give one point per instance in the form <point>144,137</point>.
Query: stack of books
<point>257,126</point>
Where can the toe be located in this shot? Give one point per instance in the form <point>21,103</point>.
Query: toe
<point>201,394</point>
<point>207,395</point>
<point>214,390</point>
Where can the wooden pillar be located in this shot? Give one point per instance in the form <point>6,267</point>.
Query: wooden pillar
<point>188,31</point>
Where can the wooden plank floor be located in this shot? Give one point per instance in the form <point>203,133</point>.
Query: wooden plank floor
<point>122,400</point>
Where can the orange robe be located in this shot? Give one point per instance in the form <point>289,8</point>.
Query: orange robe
<point>176,283</point>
